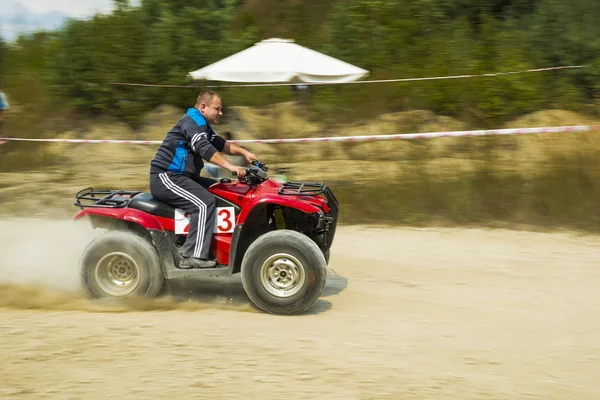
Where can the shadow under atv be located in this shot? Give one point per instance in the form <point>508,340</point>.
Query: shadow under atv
<point>231,291</point>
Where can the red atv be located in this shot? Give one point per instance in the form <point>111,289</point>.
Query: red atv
<point>277,235</point>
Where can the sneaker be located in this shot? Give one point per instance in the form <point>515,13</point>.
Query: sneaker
<point>191,262</point>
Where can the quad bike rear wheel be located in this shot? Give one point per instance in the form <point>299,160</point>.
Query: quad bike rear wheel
<point>121,264</point>
<point>284,272</point>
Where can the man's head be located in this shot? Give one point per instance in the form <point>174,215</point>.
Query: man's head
<point>210,105</point>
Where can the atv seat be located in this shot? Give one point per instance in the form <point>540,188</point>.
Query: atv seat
<point>145,202</point>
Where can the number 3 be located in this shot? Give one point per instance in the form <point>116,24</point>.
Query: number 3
<point>225,220</point>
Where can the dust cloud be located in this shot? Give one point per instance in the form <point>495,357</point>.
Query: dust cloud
<point>44,253</point>
<point>39,269</point>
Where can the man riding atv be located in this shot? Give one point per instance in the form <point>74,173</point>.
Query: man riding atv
<point>276,235</point>
<point>175,176</point>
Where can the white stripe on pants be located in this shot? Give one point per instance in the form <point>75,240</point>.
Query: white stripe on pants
<point>197,202</point>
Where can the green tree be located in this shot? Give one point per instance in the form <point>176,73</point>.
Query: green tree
<point>566,33</point>
<point>161,41</point>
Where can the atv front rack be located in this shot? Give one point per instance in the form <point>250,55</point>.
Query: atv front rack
<point>104,198</point>
<point>302,189</point>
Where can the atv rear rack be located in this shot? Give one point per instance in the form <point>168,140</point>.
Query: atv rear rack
<point>104,198</point>
<point>302,189</point>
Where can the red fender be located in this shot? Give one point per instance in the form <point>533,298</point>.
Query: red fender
<point>275,199</point>
<point>126,214</point>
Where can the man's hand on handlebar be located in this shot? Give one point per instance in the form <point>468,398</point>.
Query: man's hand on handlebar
<point>240,172</point>
<point>250,157</point>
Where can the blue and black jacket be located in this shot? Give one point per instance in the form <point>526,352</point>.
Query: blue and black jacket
<point>186,144</point>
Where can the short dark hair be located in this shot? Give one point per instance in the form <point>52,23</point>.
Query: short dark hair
<point>207,97</point>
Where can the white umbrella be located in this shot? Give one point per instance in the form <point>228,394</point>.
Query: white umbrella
<point>279,60</point>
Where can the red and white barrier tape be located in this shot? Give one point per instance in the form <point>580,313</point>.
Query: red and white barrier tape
<point>402,136</point>
<point>429,135</point>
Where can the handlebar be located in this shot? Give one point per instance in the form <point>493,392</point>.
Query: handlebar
<point>255,173</point>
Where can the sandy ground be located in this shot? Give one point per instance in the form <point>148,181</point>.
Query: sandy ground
<point>407,314</point>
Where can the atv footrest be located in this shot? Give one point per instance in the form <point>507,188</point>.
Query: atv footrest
<point>178,273</point>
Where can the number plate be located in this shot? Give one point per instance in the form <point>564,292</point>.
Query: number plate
<point>224,221</point>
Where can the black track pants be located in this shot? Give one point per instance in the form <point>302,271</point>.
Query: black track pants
<point>182,192</point>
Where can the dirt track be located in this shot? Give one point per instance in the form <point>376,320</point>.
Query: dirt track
<point>411,314</point>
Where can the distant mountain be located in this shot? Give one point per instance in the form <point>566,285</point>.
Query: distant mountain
<point>17,19</point>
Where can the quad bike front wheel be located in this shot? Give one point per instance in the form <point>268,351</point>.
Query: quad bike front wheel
<point>284,272</point>
<point>121,264</point>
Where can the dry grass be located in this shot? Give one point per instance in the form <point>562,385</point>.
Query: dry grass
<point>530,178</point>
